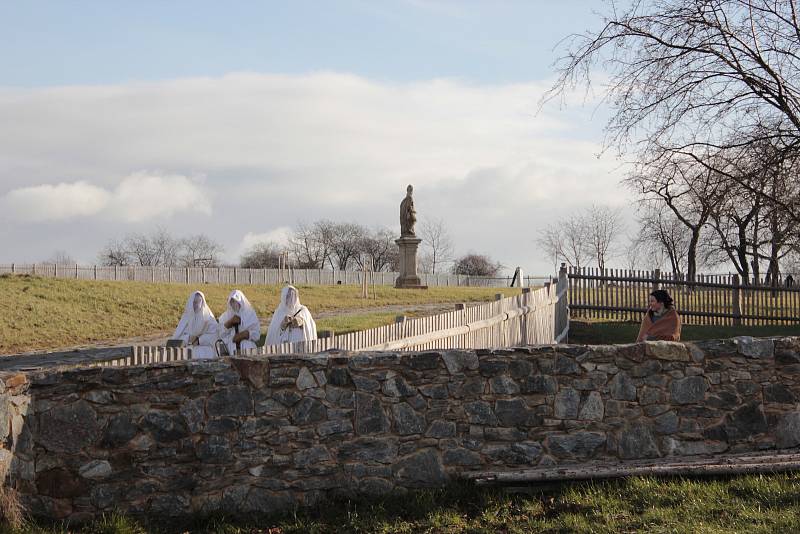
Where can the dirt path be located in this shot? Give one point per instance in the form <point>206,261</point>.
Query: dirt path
<point>160,338</point>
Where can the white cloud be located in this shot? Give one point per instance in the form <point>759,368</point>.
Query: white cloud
<point>277,149</point>
<point>138,197</point>
<point>279,236</point>
<point>57,202</point>
<point>144,196</point>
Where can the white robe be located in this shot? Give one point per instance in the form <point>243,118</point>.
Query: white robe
<point>202,325</point>
<point>249,322</point>
<point>290,306</point>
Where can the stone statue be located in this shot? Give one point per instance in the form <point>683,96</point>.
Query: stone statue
<point>408,215</point>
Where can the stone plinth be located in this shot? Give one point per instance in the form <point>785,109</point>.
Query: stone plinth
<point>408,278</point>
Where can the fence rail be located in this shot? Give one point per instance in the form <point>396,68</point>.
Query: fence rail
<point>618,294</point>
<point>237,275</point>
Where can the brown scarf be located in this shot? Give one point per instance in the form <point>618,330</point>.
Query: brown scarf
<point>667,328</point>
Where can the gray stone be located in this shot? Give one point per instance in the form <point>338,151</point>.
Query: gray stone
<point>397,387</point>
<point>406,420</point>
<point>592,409</point>
<point>540,384</point>
<point>441,429</point>
<point>787,432</point>
<point>68,428</point>
<point>171,505</point>
<point>622,387</point>
<point>747,388</point>
<point>305,380</point>
<point>637,441</point>
<point>193,413</point>
<point>271,407</point>
<point>233,401</point>
<point>458,361</point>
<point>308,410</point>
<point>420,470</point>
<point>329,428</point>
<point>100,397</point>
<point>490,368</point>
<point>424,361</point>
<point>370,418</point>
<point>5,416</point>
<point>666,423</point>
<point>223,425</point>
<point>461,456</point>
<point>471,387</point>
<point>667,350</point>
<point>375,487</point>
<point>755,348</point>
<point>339,376</point>
<point>288,397</point>
<point>312,455</point>
<point>649,395</point>
<point>480,413</point>
<point>564,365</point>
<point>95,470</point>
<point>434,391</point>
<point>565,405</point>
<point>340,397</point>
<point>165,427</point>
<point>214,449</point>
<point>650,367</point>
<point>688,390</point>
<point>520,369</point>
<point>578,445</point>
<point>523,453</point>
<point>778,393</point>
<point>677,447</point>
<point>746,421</point>
<point>120,430</point>
<point>266,502</point>
<point>364,383</point>
<point>503,385</point>
<point>504,434</point>
<point>383,450</point>
<point>512,412</point>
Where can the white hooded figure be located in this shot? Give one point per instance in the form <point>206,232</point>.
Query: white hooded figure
<point>239,324</point>
<point>198,327</point>
<point>291,322</point>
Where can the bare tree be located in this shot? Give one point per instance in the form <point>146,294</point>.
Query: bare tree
<point>566,240</point>
<point>344,243</point>
<point>261,256</point>
<point>688,72</point>
<point>662,233</point>
<point>437,244</point>
<point>476,265</point>
<point>311,244</point>
<point>200,251</point>
<point>61,257</point>
<point>379,248</point>
<point>603,226</point>
<point>115,253</point>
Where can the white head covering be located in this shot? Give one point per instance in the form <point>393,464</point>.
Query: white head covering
<point>290,306</point>
<point>194,323</point>
<point>247,314</point>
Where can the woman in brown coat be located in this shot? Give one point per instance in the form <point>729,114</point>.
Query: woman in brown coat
<point>661,322</point>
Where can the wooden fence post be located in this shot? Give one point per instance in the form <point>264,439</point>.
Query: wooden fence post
<point>76,271</point>
<point>736,304</point>
<point>95,271</point>
<point>656,279</point>
<point>13,268</point>
<point>561,334</point>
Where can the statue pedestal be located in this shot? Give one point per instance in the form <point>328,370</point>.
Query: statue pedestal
<point>408,278</point>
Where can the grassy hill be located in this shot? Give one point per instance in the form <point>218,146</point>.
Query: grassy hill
<point>41,313</point>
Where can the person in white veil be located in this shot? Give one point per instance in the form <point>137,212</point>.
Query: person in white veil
<point>291,322</point>
<point>239,327</point>
<point>198,327</point>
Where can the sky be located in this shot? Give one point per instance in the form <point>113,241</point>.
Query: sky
<point>241,119</point>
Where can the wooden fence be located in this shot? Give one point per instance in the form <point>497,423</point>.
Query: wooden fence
<point>241,276</point>
<point>617,294</point>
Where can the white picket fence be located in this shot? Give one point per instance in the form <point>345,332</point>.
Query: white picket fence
<point>240,276</point>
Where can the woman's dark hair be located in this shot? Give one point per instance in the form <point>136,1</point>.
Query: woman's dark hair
<point>662,296</point>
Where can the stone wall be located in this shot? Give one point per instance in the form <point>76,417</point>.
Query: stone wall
<point>259,435</point>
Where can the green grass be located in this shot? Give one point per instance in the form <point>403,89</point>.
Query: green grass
<point>41,313</point>
<point>751,504</point>
<point>613,332</point>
